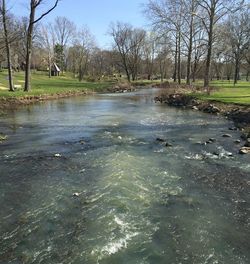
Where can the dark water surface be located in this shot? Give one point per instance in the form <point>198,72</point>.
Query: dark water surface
<point>140,202</point>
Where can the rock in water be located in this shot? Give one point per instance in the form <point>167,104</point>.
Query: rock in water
<point>244,150</point>
<point>211,140</point>
<point>2,138</point>
<point>168,145</point>
<point>227,135</point>
<point>160,140</point>
<point>247,144</point>
<point>76,194</point>
<point>57,155</point>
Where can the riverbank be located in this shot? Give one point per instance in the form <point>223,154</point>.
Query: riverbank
<point>45,88</point>
<point>239,114</point>
<point>13,102</point>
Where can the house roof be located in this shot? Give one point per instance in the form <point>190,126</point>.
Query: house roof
<point>56,67</point>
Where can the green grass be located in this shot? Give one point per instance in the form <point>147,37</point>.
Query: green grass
<point>226,92</point>
<point>42,84</point>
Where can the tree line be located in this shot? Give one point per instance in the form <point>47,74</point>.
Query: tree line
<point>188,39</point>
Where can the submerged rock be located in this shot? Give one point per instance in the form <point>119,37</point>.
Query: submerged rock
<point>238,141</point>
<point>168,144</point>
<point>244,150</point>
<point>227,135</point>
<point>247,144</point>
<point>160,140</point>
<point>195,108</point>
<point>211,109</point>
<point>210,141</point>
<point>2,138</point>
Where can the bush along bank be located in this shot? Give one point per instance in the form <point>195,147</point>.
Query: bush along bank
<point>239,114</point>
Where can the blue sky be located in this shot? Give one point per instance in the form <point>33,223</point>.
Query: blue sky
<point>96,14</point>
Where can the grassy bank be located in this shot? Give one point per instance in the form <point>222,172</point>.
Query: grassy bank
<point>226,92</point>
<point>41,84</point>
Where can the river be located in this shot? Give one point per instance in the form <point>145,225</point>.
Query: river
<point>137,200</point>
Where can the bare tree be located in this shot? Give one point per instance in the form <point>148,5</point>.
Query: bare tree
<point>198,52</point>
<point>210,13</point>
<point>247,62</point>
<point>167,19</point>
<point>149,52</point>
<point>237,34</point>
<point>80,52</point>
<point>190,8</point>
<point>137,40</point>
<point>120,33</point>
<point>163,60</point>
<point>7,43</point>
<point>64,31</point>
<point>47,41</point>
<point>128,42</point>
<point>34,4</point>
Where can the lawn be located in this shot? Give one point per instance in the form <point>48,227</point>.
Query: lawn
<point>226,92</point>
<point>42,84</point>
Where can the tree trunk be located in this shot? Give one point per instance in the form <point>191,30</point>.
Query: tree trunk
<point>128,75</point>
<point>33,5</point>
<point>49,65</point>
<point>7,45</point>
<point>179,57</point>
<point>194,74</point>
<point>190,47</point>
<point>247,77</point>
<point>29,48</point>
<point>236,71</point>
<point>175,59</point>
<point>209,50</point>
<point>161,71</point>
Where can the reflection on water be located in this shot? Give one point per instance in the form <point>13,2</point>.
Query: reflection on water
<point>139,201</point>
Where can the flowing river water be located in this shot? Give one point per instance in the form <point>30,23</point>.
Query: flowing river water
<point>139,201</point>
